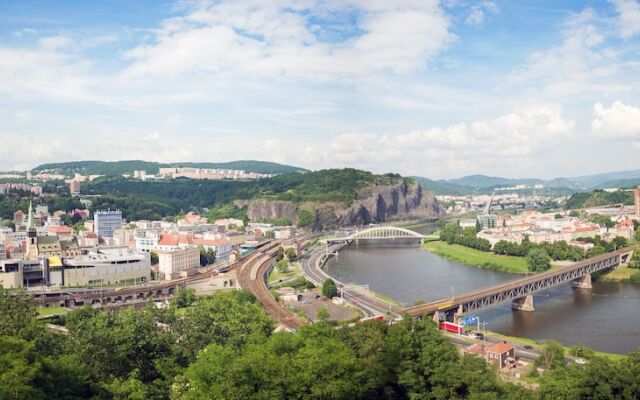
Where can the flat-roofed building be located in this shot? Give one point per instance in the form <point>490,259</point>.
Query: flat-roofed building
<point>174,263</point>
<point>106,222</point>
<point>100,267</point>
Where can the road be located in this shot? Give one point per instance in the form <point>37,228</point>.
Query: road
<point>369,305</point>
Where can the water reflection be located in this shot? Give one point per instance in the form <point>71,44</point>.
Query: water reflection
<point>605,318</point>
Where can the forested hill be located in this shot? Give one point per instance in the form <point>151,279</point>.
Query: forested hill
<point>118,168</point>
<point>599,198</point>
<point>332,185</point>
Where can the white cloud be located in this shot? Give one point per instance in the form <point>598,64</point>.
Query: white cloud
<point>152,137</point>
<point>478,12</point>
<point>628,18</point>
<point>582,64</point>
<point>510,140</point>
<point>56,42</point>
<point>619,121</point>
<point>272,40</point>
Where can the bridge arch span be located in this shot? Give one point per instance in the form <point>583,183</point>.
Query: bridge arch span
<point>378,232</point>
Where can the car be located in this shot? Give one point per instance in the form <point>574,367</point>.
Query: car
<point>581,361</point>
<point>306,301</point>
<point>528,347</point>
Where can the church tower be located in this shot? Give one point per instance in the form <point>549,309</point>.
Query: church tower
<point>32,237</point>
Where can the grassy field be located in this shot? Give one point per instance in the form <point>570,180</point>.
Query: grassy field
<point>621,274</point>
<point>274,275</point>
<point>469,256</point>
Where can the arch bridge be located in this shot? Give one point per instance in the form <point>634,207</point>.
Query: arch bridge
<point>377,233</point>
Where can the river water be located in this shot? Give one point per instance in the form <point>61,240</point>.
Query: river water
<point>605,318</point>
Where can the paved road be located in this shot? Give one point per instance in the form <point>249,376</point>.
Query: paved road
<point>366,302</point>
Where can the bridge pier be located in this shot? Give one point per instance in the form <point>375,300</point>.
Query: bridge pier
<point>583,283</point>
<point>523,303</point>
<point>436,317</point>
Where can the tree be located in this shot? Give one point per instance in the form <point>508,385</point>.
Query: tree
<point>280,253</point>
<point>185,297</point>
<point>551,356</point>
<point>329,288</point>
<point>305,218</point>
<point>323,314</point>
<point>538,260</point>
<point>282,266</point>
<point>207,256</point>
<point>291,254</point>
<point>154,258</point>
<point>79,227</point>
<point>21,366</point>
<point>17,314</point>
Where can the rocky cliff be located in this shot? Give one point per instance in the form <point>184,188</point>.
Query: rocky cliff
<point>375,204</point>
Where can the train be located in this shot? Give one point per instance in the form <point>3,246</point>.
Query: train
<point>374,318</point>
<point>451,327</point>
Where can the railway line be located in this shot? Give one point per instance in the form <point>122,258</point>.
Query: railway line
<point>72,297</point>
<point>251,276</point>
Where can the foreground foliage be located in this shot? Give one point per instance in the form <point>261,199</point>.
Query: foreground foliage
<point>223,347</point>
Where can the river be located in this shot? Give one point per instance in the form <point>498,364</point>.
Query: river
<point>605,318</point>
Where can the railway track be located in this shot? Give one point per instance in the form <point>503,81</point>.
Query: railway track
<point>251,276</point>
<point>99,293</point>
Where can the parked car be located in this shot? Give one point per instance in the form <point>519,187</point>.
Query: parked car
<point>528,347</point>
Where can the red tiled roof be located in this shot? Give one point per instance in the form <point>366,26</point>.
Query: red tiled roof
<point>501,347</point>
<point>60,229</point>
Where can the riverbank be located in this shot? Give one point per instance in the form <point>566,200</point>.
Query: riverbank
<point>621,274</point>
<point>539,344</point>
<point>477,258</point>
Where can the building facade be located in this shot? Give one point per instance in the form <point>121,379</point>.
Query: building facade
<point>173,263</point>
<point>106,222</point>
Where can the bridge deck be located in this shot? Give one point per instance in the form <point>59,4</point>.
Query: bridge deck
<point>549,277</point>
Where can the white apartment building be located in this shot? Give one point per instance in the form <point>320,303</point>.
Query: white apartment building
<point>172,264</point>
<point>106,222</point>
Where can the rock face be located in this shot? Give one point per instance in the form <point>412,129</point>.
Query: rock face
<point>260,210</point>
<point>376,204</point>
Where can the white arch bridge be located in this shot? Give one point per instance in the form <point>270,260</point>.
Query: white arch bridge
<point>376,233</point>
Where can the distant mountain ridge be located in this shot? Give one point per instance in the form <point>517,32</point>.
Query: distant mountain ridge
<point>117,168</point>
<point>484,184</point>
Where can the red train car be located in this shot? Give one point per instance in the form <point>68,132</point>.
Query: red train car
<point>451,327</point>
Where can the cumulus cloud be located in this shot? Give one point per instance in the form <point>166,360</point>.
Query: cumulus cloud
<point>511,138</point>
<point>478,12</point>
<point>628,17</point>
<point>277,39</point>
<point>619,121</point>
<point>55,42</point>
<point>582,63</point>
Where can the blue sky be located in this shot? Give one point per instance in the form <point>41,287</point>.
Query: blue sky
<point>438,89</point>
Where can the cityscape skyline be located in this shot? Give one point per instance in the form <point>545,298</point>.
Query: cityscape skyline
<point>435,89</point>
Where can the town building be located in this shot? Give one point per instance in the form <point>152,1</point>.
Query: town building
<point>500,355</point>
<point>106,222</point>
<point>175,263</point>
<point>74,187</point>
<point>102,266</point>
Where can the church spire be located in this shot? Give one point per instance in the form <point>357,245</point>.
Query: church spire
<point>30,224</point>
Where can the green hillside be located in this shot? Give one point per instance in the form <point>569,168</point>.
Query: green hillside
<point>599,198</point>
<point>118,168</point>
<point>333,185</point>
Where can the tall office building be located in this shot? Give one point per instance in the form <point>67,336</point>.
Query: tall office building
<point>74,187</point>
<point>106,222</point>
